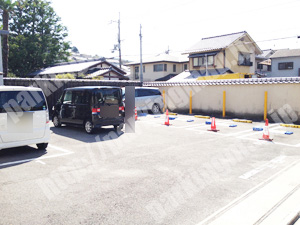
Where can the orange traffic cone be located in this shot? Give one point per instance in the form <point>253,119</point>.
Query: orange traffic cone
<point>167,122</point>
<point>266,134</point>
<point>135,113</point>
<point>213,125</point>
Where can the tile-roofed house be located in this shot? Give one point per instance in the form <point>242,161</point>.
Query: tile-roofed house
<point>286,63</point>
<point>235,52</point>
<point>160,67</point>
<point>83,68</point>
<point>215,43</point>
<point>263,63</point>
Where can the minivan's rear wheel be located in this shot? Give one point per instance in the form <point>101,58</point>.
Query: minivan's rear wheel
<point>88,126</point>
<point>119,127</point>
<point>56,121</point>
<point>42,146</point>
<point>155,109</point>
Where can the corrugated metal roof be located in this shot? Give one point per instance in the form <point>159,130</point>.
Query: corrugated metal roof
<point>247,81</point>
<point>215,43</point>
<point>286,53</point>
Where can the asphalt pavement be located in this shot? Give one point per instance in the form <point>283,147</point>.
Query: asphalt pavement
<point>177,174</point>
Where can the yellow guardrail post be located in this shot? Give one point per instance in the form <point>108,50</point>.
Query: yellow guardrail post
<point>191,102</point>
<point>224,103</point>
<point>265,105</point>
<point>164,100</point>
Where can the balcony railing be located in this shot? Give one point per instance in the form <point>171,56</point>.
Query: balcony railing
<point>245,63</point>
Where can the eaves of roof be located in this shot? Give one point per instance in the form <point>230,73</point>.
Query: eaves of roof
<point>247,81</point>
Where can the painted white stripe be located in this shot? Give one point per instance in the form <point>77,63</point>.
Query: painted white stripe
<point>67,152</point>
<point>252,190</point>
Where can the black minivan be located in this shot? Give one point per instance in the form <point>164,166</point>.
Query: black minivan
<point>90,107</point>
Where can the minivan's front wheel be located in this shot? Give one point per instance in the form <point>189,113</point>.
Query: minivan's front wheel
<point>42,146</point>
<point>155,109</point>
<point>88,126</point>
<point>56,121</point>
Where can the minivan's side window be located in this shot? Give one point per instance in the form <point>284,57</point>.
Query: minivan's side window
<point>80,97</point>
<point>67,97</point>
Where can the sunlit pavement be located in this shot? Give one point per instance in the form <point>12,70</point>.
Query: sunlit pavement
<point>177,174</point>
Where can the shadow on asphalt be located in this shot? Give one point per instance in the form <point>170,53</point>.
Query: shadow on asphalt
<point>19,154</point>
<point>78,133</point>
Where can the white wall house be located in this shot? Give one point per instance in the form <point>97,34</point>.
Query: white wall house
<point>286,63</point>
<point>161,67</point>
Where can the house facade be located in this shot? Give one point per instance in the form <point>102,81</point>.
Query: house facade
<point>159,68</point>
<point>263,62</point>
<point>286,63</point>
<point>230,52</point>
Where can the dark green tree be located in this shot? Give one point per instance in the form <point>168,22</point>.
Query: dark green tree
<point>7,6</point>
<point>37,37</point>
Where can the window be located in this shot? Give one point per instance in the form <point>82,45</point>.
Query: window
<point>67,97</point>
<point>286,66</point>
<point>201,61</point>
<point>159,67</point>
<point>174,68</point>
<point>185,67</point>
<point>108,96</point>
<point>80,97</point>
<point>269,67</point>
<point>17,101</point>
<point>136,72</point>
<point>244,59</point>
<point>259,66</point>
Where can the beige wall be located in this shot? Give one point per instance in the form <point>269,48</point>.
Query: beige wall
<point>150,75</point>
<point>242,101</point>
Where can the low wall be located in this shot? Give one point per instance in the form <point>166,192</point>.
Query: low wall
<point>243,99</point>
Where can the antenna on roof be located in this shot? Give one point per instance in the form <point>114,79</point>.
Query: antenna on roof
<point>167,51</point>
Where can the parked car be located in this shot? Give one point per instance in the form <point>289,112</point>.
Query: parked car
<point>90,107</point>
<point>24,117</point>
<point>147,99</point>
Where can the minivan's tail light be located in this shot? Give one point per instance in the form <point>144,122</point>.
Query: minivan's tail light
<point>121,108</point>
<point>95,110</point>
<point>47,116</point>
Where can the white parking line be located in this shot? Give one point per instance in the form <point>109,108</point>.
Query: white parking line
<point>65,152</point>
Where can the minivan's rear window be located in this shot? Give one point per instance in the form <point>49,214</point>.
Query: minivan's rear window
<point>22,101</point>
<point>108,96</point>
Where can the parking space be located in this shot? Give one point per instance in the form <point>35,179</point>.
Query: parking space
<point>227,128</point>
<point>15,156</point>
<point>177,174</point>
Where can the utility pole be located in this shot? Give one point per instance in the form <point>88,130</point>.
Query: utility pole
<point>118,46</point>
<point>141,60</point>
<point>119,41</point>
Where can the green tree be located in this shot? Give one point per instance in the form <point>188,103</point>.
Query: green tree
<point>37,39</point>
<point>7,7</point>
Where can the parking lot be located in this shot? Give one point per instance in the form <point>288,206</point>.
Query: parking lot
<point>177,174</point>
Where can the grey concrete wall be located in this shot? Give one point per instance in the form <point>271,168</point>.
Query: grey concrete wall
<point>242,100</point>
<point>285,73</point>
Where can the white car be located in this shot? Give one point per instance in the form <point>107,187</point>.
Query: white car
<point>147,99</point>
<point>24,117</point>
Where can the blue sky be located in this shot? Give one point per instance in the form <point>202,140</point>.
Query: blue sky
<point>175,24</point>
